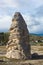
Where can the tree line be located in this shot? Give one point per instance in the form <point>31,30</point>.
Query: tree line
<point>4,38</point>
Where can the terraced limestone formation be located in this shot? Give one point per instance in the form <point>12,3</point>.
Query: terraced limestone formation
<point>18,46</point>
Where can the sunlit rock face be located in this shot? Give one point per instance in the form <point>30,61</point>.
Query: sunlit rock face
<point>18,46</point>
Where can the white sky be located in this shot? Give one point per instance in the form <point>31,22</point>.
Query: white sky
<point>32,11</point>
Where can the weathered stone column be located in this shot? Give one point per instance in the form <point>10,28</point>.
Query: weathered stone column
<point>18,46</point>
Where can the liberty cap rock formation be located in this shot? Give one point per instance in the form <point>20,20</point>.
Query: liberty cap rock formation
<point>18,46</point>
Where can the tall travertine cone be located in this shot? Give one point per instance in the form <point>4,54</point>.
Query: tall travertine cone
<point>18,46</point>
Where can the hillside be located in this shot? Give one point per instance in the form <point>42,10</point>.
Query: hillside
<point>34,38</point>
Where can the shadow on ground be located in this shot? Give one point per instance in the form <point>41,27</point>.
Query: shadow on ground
<point>36,56</point>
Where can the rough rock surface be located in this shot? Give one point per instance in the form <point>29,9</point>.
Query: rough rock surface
<point>18,46</point>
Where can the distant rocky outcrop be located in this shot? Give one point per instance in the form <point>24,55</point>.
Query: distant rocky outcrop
<point>18,46</point>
